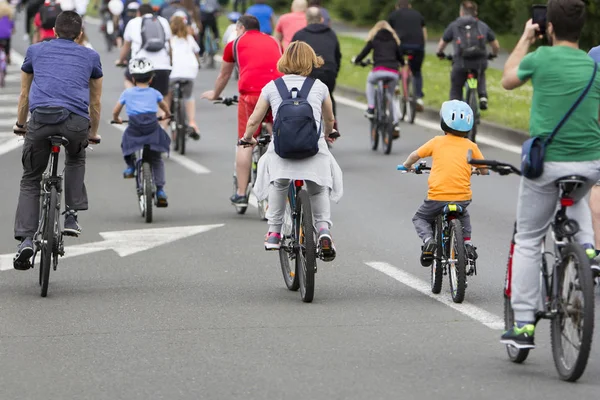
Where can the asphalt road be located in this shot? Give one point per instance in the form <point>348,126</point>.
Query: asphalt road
<point>207,315</point>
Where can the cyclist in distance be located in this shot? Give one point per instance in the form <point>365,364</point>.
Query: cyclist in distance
<point>469,51</point>
<point>450,178</point>
<point>321,172</point>
<point>73,112</point>
<point>209,10</point>
<point>575,149</point>
<point>387,59</point>
<point>410,27</point>
<point>256,55</point>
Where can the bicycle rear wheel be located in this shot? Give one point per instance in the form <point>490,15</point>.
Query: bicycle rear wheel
<point>374,136</point>
<point>437,269</point>
<point>181,128</point>
<point>457,263</point>
<point>412,99</point>
<point>306,260</point>
<point>572,329</point>
<point>388,126</point>
<point>49,237</point>
<point>472,102</point>
<point>147,191</point>
<point>287,254</point>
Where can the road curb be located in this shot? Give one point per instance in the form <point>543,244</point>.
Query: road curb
<point>432,114</point>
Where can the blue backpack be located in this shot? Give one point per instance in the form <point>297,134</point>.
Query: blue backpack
<point>295,130</point>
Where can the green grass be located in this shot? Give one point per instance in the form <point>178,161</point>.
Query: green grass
<point>508,108</point>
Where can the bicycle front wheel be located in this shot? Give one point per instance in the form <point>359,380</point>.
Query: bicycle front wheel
<point>49,237</point>
<point>572,329</point>
<point>306,260</point>
<point>457,263</point>
<point>147,191</point>
<point>287,254</point>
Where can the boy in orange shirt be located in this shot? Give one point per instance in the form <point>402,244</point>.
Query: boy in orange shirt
<point>450,177</point>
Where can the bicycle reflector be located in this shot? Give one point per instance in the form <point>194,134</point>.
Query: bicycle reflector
<point>566,202</point>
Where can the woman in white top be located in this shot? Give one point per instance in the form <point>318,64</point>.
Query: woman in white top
<point>185,66</point>
<point>321,172</point>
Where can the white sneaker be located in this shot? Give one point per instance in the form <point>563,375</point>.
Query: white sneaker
<point>420,102</point>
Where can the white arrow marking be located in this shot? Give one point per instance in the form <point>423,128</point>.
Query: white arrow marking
<point>125,243</point>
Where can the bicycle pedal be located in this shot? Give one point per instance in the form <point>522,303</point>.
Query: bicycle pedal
<point>22,266</point>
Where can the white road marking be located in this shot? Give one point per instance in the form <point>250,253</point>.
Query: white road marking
<point>483,139</point>
<point>10,145</point>
<point>10,97</point>
<point>8,110</point>
<point>488,319</point>
<point>125,243</point>
<point>179,159</point>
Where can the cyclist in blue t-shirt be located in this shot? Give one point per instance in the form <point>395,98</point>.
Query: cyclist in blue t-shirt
<point>142,103</point>
<point>264,14</point>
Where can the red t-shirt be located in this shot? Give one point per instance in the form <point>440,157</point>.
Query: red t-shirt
<point>44,33</point>
<point>258,54</point>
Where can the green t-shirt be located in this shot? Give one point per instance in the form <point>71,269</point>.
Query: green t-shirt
<point>559,74</point>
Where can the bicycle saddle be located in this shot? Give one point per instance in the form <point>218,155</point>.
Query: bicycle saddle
<point>571,183</point>
<point>453,209</point>
<point>58,140</point>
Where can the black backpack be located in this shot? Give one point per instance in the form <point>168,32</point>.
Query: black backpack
<point>469,40</point>
<point>153,34</point>
<point>295,130</point>
<point>48,14</point>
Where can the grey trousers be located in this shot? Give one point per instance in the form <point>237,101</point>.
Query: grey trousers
<point>158,167</point>
<point>538,201</point>
<point>319,201</point>
<point>428,212</point>
<point>36,153</point>
<point>372,79</point>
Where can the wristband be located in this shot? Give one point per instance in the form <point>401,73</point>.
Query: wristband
<point>19,125</point>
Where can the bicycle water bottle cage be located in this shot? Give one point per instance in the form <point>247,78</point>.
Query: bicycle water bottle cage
<point>453,209</point>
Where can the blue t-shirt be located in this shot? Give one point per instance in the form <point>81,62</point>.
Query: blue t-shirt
<point>139,100</point>
<point>61,70</point>
<point>263,14</point>
<point>595,54</point>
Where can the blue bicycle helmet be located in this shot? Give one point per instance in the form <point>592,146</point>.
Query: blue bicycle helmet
<point>457,117</point>
<point>234,16</point>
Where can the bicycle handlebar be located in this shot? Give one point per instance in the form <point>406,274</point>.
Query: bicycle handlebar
<point>496,166</point>
<point>126,121</point>
<point>423,168</point>
<point>364,63</point>
<point>450,57</point>
<point>262,141</point>
<point>228,101</point>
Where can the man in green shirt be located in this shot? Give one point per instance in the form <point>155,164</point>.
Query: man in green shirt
<point>559,74</point>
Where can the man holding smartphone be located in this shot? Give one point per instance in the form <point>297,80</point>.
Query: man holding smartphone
<point>559,74</point>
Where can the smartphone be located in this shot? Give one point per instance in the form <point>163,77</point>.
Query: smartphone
<point>538,15</point>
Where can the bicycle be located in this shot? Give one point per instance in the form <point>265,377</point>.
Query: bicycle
<point>405,99</point>
<point>567,286</point>
<point>144,180</point>
<point>382,123</point>
<point>263,139</point>
<point>3,63</point>
<point>110,29</point>
<point>450,256</point>
<point>211,47</point>
<point>48,239</point>
<point>471,94</point>
<point>179,124</point>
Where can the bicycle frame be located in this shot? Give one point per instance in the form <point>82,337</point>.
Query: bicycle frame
<point>445,259</point>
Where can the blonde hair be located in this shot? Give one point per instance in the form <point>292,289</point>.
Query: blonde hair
<point>6,10</point>
<point>179,27</point>
<point>299,59</point>
<point>379,26</point>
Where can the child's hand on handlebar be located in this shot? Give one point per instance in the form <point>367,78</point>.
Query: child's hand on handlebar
<point>247,143</point>
<point>116,120</point>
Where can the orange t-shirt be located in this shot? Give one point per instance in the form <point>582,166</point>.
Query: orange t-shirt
<point>450,177</point>
<point>289,24</point>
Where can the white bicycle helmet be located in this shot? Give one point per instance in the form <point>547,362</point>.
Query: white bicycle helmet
<point>141,68</point>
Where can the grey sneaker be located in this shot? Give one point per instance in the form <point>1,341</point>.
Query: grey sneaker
<point>24,253</point>
<point>71,227</point>
<point>273,241</point>
<point>326,249</point>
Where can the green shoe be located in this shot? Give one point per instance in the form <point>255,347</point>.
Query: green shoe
<point>521,338</point>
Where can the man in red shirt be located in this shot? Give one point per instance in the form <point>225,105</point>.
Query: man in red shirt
<point>292,22</point>
<point>256,55</point>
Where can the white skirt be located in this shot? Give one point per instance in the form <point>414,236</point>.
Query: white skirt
<point>322,169</point>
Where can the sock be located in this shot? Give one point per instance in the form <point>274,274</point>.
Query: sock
<point>590,250</point>
<point>159,188</point>
<point>521,324</point>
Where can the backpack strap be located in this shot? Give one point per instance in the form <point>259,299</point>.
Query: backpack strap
<point>306,87</point>
<point>574,106</point>
<point>235,51</point>
<point>282,89</point>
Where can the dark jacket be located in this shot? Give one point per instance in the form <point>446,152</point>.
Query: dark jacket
<point>386,52</point>
<point>325,43</point>
<point>143,129</point>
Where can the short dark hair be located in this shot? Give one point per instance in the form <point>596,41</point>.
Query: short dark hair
<point>469,8</point>
<point>249,22</point>
<point>146,9</point>
<point>567,18</point>
<point>403,3</point>
<point>68,25</point>
<point>314,3</point>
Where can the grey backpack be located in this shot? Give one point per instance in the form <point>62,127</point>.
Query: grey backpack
<point>153,34</point>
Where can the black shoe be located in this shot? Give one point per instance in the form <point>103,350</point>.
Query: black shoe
<point>370,113</point>
<point>24,253</point>
<point>193,134</point>
<point>71,227</point>
<point>471,251</point>
<point>239,201</point>
<point>521,338</point>
<point>396,133</point>
<point>427,252</point>
<point>483,103</point>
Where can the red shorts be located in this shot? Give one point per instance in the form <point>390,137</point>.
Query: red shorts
<point>246,104</point>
